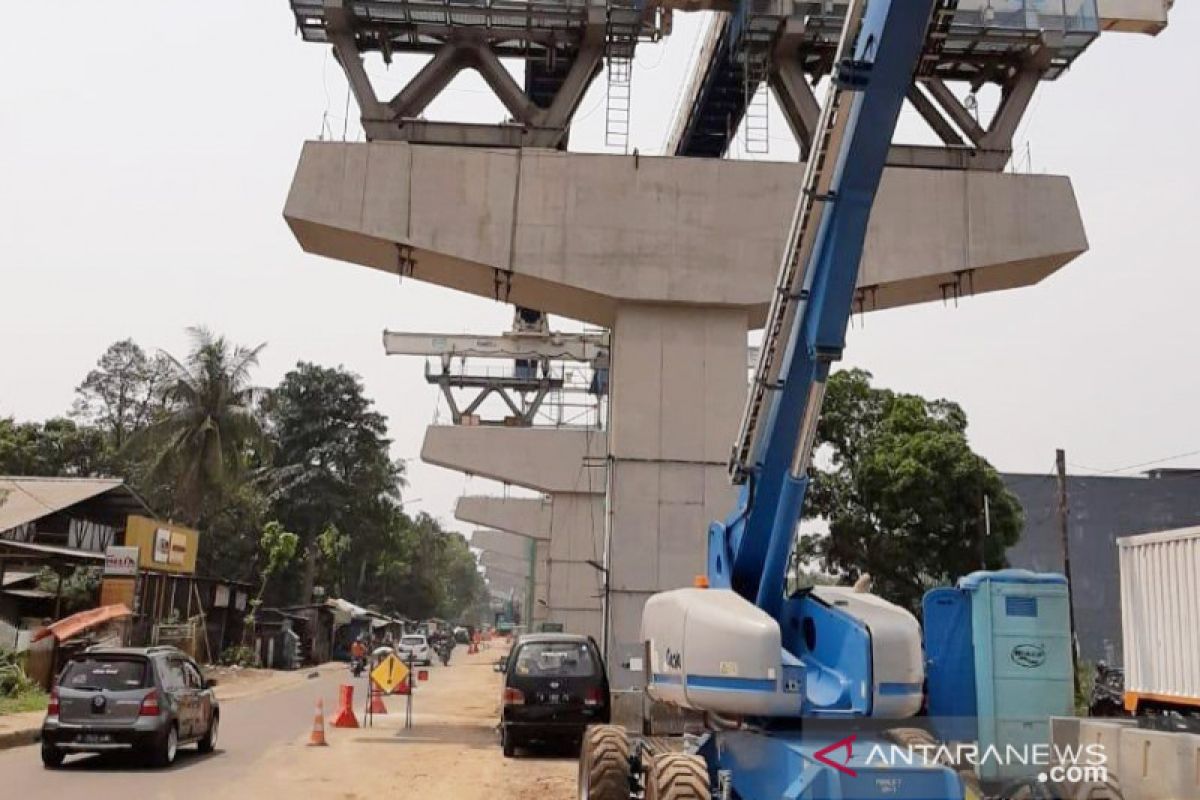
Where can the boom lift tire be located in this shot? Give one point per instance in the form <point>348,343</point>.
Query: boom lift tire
<point>604,763</point>
<point>675,776</point>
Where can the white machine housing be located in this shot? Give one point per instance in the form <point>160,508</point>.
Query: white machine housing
<point>897,659</point>
<point>712,650</point>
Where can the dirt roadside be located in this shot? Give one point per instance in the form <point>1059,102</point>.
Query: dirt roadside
<point>451,753</point>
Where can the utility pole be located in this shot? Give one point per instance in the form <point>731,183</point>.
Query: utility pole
<point>987,531</point>
<point>1060,462</point>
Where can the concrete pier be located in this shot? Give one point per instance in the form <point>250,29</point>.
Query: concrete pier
<point>676,256</point>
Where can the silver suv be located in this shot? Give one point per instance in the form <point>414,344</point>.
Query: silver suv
<point>149,700</point>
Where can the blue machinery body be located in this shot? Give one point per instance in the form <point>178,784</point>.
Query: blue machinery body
<point>805,333</point>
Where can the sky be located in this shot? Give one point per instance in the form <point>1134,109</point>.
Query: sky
<point>147,147</point>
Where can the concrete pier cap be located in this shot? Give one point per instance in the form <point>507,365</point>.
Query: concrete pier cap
<point>578,234</point>
<point>503,542</point>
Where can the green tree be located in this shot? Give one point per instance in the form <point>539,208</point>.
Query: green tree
<point>58,447</point>
<point>77,590</point>
<point>124,393</point>
<point>278,548</point>
<point>209,432</point>
<point>463,588</point>
<point>332,467</point>
<point>332,547</point>
<point>904,493</point>
<point>427,571</point>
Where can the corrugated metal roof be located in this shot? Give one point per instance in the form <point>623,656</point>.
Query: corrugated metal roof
<point>32,594</point>
<point>49,549</point>
<point>26,499</point>
<point>13,577</point>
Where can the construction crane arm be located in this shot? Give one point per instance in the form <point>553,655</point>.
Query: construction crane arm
<point>805,332</point>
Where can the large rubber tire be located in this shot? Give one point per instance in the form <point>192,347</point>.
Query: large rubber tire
<point>209,742</point>
<point>165,751</point>
<point>675,776</point>
<point>506,743</point>
<point>604,763</point>
<point>52,757</point>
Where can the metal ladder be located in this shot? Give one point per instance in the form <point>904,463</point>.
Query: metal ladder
<point>756,134</point>
<point>621,36</point>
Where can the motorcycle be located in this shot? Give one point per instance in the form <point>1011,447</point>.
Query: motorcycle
<point>357,666</point>
<point>1107,697</point>
<point>444,649</point>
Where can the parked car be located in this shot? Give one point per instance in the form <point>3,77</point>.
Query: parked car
<point>149,700</point>
<point>414,648</point>
<point>554,687</point>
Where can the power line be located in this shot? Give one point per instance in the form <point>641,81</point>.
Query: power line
<point>1151,463</point>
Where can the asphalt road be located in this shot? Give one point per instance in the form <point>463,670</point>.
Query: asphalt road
<point>250,726</point>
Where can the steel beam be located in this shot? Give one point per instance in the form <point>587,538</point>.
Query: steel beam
<point>582,347</point>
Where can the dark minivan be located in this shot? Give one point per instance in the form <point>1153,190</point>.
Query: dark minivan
<point>148,700</point>
<point>554,687</point>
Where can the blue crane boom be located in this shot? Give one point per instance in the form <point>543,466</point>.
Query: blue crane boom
<point>740,650</point>
<point>805,331</point>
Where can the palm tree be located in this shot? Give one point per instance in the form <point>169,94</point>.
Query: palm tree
<point>211,424</point>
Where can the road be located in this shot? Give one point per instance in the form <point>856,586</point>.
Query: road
<point>451,753</point>
<point>250,727</point>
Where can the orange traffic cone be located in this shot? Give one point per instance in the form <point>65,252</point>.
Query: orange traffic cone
<point>377,706</point>
<point>317,738</point>
<point>345,717</point>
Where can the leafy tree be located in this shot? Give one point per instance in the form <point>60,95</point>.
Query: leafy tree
<point>332,467</point>
<point>210,430</point>
<point>58,447</point>
<point>124,393</point>
<point>278,548</point>
<point>332,546</point>
<point>80,589</point>
<point>228,522</point>
<point>427,571</point>
<point>904,493</point>
<point>463,588</point>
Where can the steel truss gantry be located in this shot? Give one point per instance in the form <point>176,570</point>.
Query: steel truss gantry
<point>973,43</point>
<point>536,372</point>
<point>563,43</point>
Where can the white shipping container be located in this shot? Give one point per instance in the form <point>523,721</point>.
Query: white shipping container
<point>1160,616</point>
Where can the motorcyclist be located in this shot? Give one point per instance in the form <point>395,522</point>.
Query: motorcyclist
<point>358,656</point>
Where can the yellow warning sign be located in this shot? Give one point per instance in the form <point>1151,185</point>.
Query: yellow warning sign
<point>390,673</point>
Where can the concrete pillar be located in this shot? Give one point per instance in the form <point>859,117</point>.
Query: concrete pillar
<point>577,537</point>
<point>526,519</point>
<point>569,526</point>
<point>678,386</point>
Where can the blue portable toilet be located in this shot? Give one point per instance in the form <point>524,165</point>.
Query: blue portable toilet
<point>998,652</point>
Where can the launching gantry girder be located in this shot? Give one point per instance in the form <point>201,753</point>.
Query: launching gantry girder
<point>789,45</point>
<point>563,43</point>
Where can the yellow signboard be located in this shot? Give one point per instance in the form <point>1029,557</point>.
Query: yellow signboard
<point>390,673</point>
<point>161,545</point>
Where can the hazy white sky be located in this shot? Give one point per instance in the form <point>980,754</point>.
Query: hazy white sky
<point>146,149</point>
